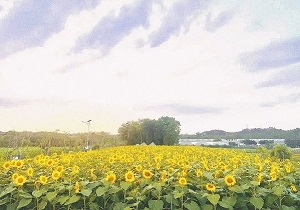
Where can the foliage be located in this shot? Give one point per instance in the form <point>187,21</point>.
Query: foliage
<point>281,151</point>
<point>150,177</point>
<point>164,131</point>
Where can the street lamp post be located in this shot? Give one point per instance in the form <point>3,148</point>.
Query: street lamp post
<point>88,134</point>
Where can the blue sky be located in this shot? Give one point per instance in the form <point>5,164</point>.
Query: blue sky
<point>210,64</point>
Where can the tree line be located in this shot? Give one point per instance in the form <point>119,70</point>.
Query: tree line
<point>163,131</point>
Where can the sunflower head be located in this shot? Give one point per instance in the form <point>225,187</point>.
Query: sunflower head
<point>43,179</point>
<point>182,181</point>
<point>19,163</point>
<point>55,175</point>
<point>210,187</point>
<point>129,176</point>
<point>111,177</point>
<point>147,174</point>
<point>6,165</point>
<point>293,187</point>
<point>77,187</point>
<point>29,172</point>
<point>229,180</point>
<point>20,180</point>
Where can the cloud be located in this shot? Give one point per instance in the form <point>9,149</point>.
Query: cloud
<point>277,54</point>
<point>31,22</point>
<point>212,25</point>
<point>181,14</point>
<point>9,102</point>
<point>1,8</point>
<point>184,109</point>
<point>290,77</point>
<point>292,98</point>
<point>111,30</point>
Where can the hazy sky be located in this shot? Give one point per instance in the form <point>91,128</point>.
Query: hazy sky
<point>210,64</point>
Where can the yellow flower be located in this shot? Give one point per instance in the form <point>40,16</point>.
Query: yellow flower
<point>60,169</point>
<point>14,176</point>
<point>55,175</point>
<point>77,187</point>
<point>6,165</point>
<point>43,179</point>
<point>273,176</point>
<point>75,169</point>
<point>138,168</point>
<point>50,162</point>
<point>29,172</point>
<point>129,176</point>
<point>163,176</point>
<point>230,180</point>
<point>210,187</point>
<point>19,163</point>
<point>182,181</point>
<point>199,173</point>
<point>20,180</point>
<point>111,177</point>
<point>147,174</point>
<point>259,177</point>
<point>293,187</point>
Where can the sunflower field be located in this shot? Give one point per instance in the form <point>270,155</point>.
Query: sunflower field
<point>151,177</point>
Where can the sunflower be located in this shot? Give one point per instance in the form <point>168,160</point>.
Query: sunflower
<point>111,177</point>
<point>29,172</point>
<point>138,168</point>
<point>273,176</point>
<point>43,180</point>
<point>147,174</point>
<point>129,176</point>
<point>293,187</point>
<point>77,187</point>
<point>60,169</point>
<point>20,180</point>
<point>199,173</point>
<point>55,175</point>
<point>6,165</point>
<point>182,181</point>
<point>164,176</point>
<point>210,187</point>
<point>19,163</point>
<point>50,162</point>
<point>75,169</point>
<point>14,176</point>
<point>259,177</point>
<point>230,180</point>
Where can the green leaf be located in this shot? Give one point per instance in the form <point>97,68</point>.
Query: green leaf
<point>278,190</point>
<point>114,190</point>
<point>4,201</point>
<point>254,183</point>
<point>24,202</point>
<point>177,194</point>
<point>257,202</point>
<point>11,206</point>
<point>100,191</point>
<point>207,207</point>
<point>51,195</point>
<point>213,199</point>
<point>86,192</point>
<point>38,193</point>
<point>191,206</point>
<point>155,204</point>
<point>63,199</point>
<point>125,185</point>
<point>288,207</point>
<point>7,191</point>
<point>73,199</point>
<point>231,200</point>
<point>119,206</point>
<point>94,206</point>
<point>42,205</point>
<point>225,205</point>
<point>236,189</point>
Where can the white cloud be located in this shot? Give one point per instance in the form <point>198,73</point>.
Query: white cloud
<point>191,72</point>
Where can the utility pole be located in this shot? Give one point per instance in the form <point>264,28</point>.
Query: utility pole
<point>88,134</point>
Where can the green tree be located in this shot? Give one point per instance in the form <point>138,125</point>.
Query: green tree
<point>170,129</point>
